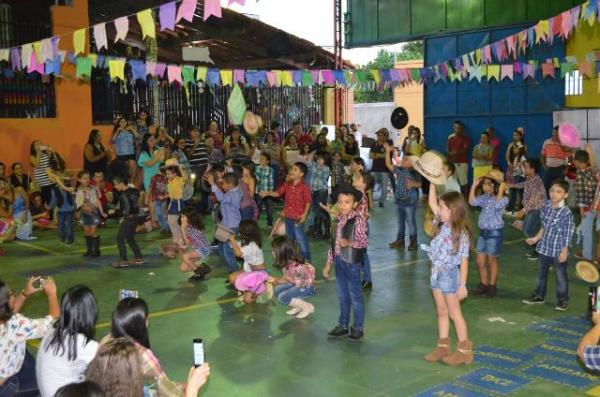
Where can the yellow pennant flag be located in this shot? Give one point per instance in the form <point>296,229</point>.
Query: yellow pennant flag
<point>146,21</point>
<point>493,72</point>
<point>376,75</point>
<point>541,30</point>
<point>201,73</point>
<point>79,41</point>
<point>116,68</point>
<point>37,48</point>
<point>226,77</point>
<point>277,78</point>
<point>287,79</point>
<point>478,56</point>
<point>94,59</point>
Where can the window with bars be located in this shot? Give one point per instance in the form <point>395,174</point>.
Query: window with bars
<point>574,83</point>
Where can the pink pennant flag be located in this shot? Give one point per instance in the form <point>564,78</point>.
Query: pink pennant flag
<point>271,78</point>
<point>174,73</point>
<point>240,2</point>
<point>150,68</point>
<point>187,9</point>
<point>557,25</point>
<point>34,66</point>
<point>239,76</point>
<point>585,68</point>
<point>212,7</point>
<point>316,76</point>
<point>575,15</point>
<point>511,41</point>
<point>166,16</point>
<point>502,50</point>
<point>518,68</point>
<point>506,71</point>
<point>122,27</point>
<point>547,69</point>
<point>566,24</point>
<point>528,71</point>
<point>100,36</point>
<point>328,77</point>
<point>160,70</point>
<point>486,54</point>
<point>550,35</point>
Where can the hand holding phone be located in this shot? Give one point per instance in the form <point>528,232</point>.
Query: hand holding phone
<point>198,344</point>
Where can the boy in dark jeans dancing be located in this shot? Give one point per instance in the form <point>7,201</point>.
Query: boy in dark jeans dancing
<point>127,197</point>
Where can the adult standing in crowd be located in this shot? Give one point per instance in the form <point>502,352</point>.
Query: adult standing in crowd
<point>95,156</point>
<point>18,178</point>
<point>554,159</point>
<point>482,157</point>
<point>196,152</point>
<point>236,146</point>
<point>495,144</point>
<point>215,134</point>
<point>457,148</point>
<point>125,140</point>
<point>516,144</point>
<point>150,159</point>
<point>378,167</point>
<point>39,158</point>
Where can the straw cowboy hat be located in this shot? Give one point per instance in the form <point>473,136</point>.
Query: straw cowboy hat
<point>431,166</point>
<point>495,175</point>
<point>172,162</point>
<point>587,272</point>
<point>251,123</point>
<point>569,136</point>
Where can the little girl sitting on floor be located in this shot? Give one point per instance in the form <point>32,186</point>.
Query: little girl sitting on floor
<point>198,247</point>
<point>251,282</point>
<point>297,281</point>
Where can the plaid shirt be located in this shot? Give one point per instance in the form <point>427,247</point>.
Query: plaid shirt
<point>558,225</point>
<point>264,174</point>
<point>534,193</point>
<point>585,187</point>
<point>591,357</point>
<point>490,217</point>
<point>337,173</point>
<point>360,233</point>
<point>404,175</point>
<point>215,157</point>
<point>158,187</point>
<point>319,175</point>
<point>197,238</point>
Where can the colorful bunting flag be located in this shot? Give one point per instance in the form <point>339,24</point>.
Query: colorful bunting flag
<point>15,58</point>
<point>547,70</point>
<point>146,21</point>
<point>201,73</point>
<point>83,67</point>
<point>236,106</point>
<point>188,8</point>
<point>122,27</point>
<point>585,68</point>
<point>166,15</point>
<point>150,68</point>
<point>529,71</point>
<point>226,77</point>
<point>239,76</point>
<point>493,72</point>
<point>506,71</point>
<point>174,74</point>
<point>286,79</point>
<point>79,41</point>
<point>138,70</point>
<point>116,68</point>
<point>565,67</point>
<point>211,7</point>
<point>100,36</point>
<point>160,69</point>
<point>26,51</point>
<point>4,54</point>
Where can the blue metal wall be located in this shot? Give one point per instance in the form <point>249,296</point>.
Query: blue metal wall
<point>504,105</point>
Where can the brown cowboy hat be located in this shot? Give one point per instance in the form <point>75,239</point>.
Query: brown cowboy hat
<point>495,175</point>
<point>251,123</point>
<point>587,272</point>
<point>431,166</point>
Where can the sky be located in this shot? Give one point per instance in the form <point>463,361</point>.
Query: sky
<point>309,19</point>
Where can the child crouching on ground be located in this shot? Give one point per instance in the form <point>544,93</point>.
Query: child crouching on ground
<point>298,278</point>
<point>195,239</point>
<point>347,253</point>
<point>251,282</point>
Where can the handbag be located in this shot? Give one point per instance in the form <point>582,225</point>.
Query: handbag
<point>222,233</point>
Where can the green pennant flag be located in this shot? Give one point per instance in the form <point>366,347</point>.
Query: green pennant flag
<point>187,72</point>
<point>236,105</point>
<point>307,79</point>
<point>84,67</point>
<point>565,67</point>
<point>415,75</point>
<point>361,76</point>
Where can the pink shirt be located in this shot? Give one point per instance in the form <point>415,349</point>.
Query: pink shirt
<point>495,142</point>
<point>360,234</point>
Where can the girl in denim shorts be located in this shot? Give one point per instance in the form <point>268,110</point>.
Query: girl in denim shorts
<point>449,254</point>
<point>489,193</point>
<point>87,200</point>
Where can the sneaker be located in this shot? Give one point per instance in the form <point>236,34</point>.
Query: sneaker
<point>196,277</point>
<point>533,300</point>
<point>121,263</point>
<point>561,306</point>
<point>338,331</point>
<point>69,243</point>
<point>367,285</point>
<point>355,334</point>
<point>138,261</point>
<point>533,256</point>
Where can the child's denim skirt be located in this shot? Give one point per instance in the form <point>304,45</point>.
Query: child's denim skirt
<point>446,281</point>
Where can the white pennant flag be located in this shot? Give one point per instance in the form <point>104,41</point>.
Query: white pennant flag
<point>26,51</point>
<point>100,36</point>
<point>122,26</point>
<point>4,54</point>
<point>46,50</point>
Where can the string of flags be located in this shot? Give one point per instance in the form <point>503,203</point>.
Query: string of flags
<point>496,61</point>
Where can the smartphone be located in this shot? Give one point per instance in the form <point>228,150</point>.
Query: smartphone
<point>39,284</point>
<point>127,293</point>
<point>198,352</point>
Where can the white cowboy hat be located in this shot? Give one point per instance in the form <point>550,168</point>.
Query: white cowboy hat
<point>431,166</point>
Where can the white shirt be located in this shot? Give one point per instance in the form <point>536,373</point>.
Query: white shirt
<point>253,256</point>
<point>54,371</point>
<point>13,337</point>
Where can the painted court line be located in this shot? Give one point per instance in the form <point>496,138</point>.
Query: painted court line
<point>35,247</point>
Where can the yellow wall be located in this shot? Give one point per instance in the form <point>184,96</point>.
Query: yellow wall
<point>67,133</point>
<point>329,106</point>
<point>585,39</point>
<point>410,98</point>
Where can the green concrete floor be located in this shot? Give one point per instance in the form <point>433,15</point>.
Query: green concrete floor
<point>259,351</point>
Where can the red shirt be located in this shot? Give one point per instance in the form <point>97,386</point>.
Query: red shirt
<point>495,142</point>
<point>158,187</point>
<point>106,187</point>
<point>296,198</point>
<point>305,139</point>
<point>461,145</point>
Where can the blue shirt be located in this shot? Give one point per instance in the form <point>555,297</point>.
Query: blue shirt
<point>490,217</point>
<point>403,175</point>
<point>591,357</point>
<point>558,225</point>
<point>319,176</point>
<point>230,204</point>
<point>124,143</point>
<point>149,171</point>
<point>441,249</point>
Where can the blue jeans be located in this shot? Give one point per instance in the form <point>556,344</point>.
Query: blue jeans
<point>366,266</point>
<point>349,292</point>
<point>247,213</point>
<point>160,210</point>
<point>295,232</point>
<point>562,279</point>
<point>286,292</point>
<point>532,223</point>
<point>587,234</point>
<point>406,215</point>
<point>266,204</point>
<point>227,254</point>
<point>381,179</point>
<point>23,383</point>
<point>516,195</point>
<point>65,226</point>
<point>276,168</point>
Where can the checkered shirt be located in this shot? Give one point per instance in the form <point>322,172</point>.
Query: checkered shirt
<point>319,175</point>
<point>591,357</point>
<point>490,217</point>
<point>265,179</point>
<point>534,193</point>
<point>558,225</point>
<point>585,187</point>
<point>404,175</point>
<point>337,173</point>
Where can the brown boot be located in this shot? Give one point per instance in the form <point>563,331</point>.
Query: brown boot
<point>413,244</point>
<point>480,290</point>
<point>442,350</point>
<point>491,292</point>
<point>462,355</point>
<point>397,244</point>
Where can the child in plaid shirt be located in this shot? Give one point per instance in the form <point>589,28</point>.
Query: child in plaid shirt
<point>320,178</point>
<point>585,190</point>
<point>337,170</point>
<point>553,243</point>
<point>265,183</point>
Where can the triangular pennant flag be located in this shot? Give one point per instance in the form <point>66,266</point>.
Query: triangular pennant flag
<point>37,49</point>
<point>531,36</point>
<point>585,68</point>
<point>236,106</point>
<point>150,68</point>
<point>286,79</point>
<point>34,66</point>
<point>360,75</point>
<point>547,69</point>
<point>541,31</point>
<point>375,73</point>
<point>239,76</point>
<point>528,71</point>
<point>330,80</point>
<point>511,42</point>
<point>395,74</point>
<point>506,71</point>
<point>122,27</point>
<point>55,50</point>
<point>211,7</point>
<point>307,78</point>
<point>316,76</point>
<point>277,78</point>
<point>478,56</point>
<point>201,73</point>
<point>160,70</point>
<point>240,2</point>
<point>565,68</point>
<point>575,15</point>
<point>415,75</point>
<point>557,25</point>
<point>4,54</point>
<point>591,11</point>
<point>475,72</point>
<point>100,36</point>
<point>79,41</point>
<point>465,60</point>
<point>188,8</point>
<point>45,50</point>
<point>493,72</point>
<point>226,77</point>
<point>566,24</point>
<point>93,58</point>
<point>550,35</point>
<point>146,21</point>
<point>53,66</point>
<point>83,67</point>
<point>166,15</point>
<point>297,77</point>
<point>116,68</point>
<point>174,73</point>
<point>26,51</point>
<point>271,78</point>
<point>213,77</point>
<point>139,70</point>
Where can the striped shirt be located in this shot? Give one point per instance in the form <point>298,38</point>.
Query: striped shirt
<point>39,173</point>
<point>591,357</point>
<point>556,155</point>
<point>198,157</point>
